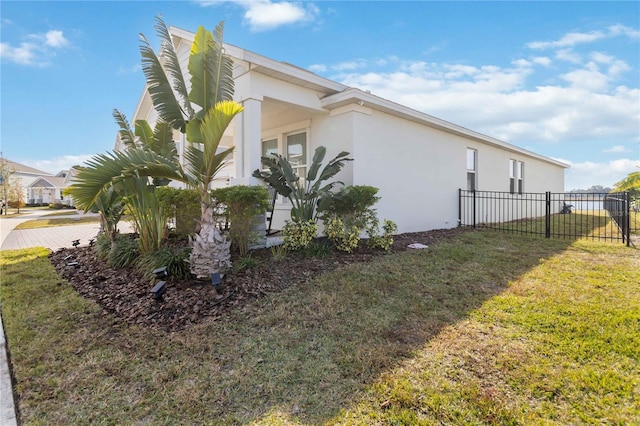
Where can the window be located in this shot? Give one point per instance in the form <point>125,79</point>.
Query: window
<point>472,163</point>
<point>516,176</point>
<point>269,147</point>
<point>297,153</point>
<point>520,177</point>
<point>512,176</point>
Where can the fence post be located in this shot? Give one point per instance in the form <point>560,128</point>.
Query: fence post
<point>474,208</point>
<point>627,219</point>
<point>459,207</point>
<point>547,215</point>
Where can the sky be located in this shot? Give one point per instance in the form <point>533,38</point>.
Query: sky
<point>561,79</point>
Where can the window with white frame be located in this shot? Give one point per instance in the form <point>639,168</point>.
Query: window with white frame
<point>269,146</point>
<point>516,176</point>
<point>472,166</point>
<point>520,177</point>
<point>296,150</point>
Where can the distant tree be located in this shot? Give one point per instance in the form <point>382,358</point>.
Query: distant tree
<point>631,184</point>
<point>5,174</point>
<point>15,196</point>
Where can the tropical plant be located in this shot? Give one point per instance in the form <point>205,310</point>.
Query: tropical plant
<point>203,113</point>
<point>631,183</point>
<point>241,204</point>
<point>303,193</point>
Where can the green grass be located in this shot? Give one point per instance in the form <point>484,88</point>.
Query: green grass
<point>489,328</point>
<point>63,221</point>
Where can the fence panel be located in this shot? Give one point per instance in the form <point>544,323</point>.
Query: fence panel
<point>557,215</point>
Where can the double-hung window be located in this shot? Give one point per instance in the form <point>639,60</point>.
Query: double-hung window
<point>472,166</point>
<point>297,153</point>
<point>516,176</point>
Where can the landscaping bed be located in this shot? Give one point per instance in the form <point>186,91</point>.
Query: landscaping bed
<point>125,292</point>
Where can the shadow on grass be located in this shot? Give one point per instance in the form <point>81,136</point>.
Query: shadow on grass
<point>303,355</point>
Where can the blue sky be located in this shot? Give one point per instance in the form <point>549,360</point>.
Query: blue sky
<point>559,78</point>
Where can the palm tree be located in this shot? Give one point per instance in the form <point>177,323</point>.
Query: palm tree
<point>203,113</point>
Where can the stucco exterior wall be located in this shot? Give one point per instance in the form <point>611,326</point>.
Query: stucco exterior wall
<point>419,170</point>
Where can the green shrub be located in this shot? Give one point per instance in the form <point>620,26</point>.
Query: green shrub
<point>384,241</point>
<point>103,246</point>
<point>241,204</point>
<point>183,205</point>
<point>124,252</point>
<point>246,262</point>
<point>279,252</point>
<point>343,240</point>
<point>347,213</point>
<point>318,249</point>
<point>175,259</point>
<point>297,236</point>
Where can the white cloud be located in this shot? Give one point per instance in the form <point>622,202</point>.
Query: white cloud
<point>586,174</point>
<point>582,104</point>
<point>129,70</point>
<point>318,68</point>
<point>262,15</point>
<point>54,165</point>
<point>55,38</point>
<point>572,39</point>
<point>37,51</point>
<point>616,149</point>
<point>568,55</point>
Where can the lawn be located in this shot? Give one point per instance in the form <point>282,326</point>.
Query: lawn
<point>488,328</point>
<point>61,221</point>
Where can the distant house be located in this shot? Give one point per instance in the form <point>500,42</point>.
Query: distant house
<point>417,161</point>
<point>40,187</point>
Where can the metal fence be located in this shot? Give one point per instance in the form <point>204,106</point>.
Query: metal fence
<point>552,215</point>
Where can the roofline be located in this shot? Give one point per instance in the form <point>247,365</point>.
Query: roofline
<point>258,61</point>
<point>357,96</point>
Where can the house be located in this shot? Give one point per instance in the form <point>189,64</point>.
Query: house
<point>417,161</point>
<point>40,187</point>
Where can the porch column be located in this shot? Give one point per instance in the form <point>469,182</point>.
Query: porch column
<point>248,142</point>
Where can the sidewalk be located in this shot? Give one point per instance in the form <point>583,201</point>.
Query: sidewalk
<point>52,238</point>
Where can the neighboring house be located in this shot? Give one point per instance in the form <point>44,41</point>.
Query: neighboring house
<point>417,161</point>
<point>40,187</point>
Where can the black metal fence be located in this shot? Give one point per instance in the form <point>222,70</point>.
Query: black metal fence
<point>553,215</point>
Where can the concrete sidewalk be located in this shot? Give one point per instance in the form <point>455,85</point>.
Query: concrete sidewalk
<point>52,238</point>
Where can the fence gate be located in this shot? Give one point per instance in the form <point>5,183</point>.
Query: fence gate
<point>555,215</point>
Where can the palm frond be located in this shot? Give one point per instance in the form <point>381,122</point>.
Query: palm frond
<point>172,65</point>
<point>160,88</point>
<point>144,133</point>
<point>201,70</point>
<point>127,137</point>
<point>224,84</point>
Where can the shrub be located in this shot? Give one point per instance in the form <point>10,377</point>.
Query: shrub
<point>343,240</point>
<point>246,262</point>
<point>175,259</point>
<point>347,213</point>
<point>298,235</point>
<point>183,205</point>
<point>384,241</point>
<point>318,249</point>
<point>123,252</point>
<point>279,252</point>
<point>103,246</point>
<point>241,204</point>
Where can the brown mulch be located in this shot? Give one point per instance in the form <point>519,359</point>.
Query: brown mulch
<point>125,293</point>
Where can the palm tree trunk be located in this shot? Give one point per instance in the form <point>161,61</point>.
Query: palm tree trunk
<point>210,248</point>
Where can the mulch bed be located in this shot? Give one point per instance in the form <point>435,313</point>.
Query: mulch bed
<point>125,293</point>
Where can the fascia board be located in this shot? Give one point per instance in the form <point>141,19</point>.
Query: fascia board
<point>359,97</point>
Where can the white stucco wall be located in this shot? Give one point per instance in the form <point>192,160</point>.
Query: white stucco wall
<point>419,170</point>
